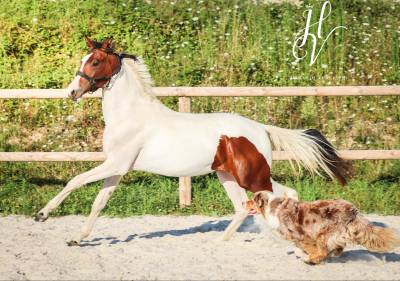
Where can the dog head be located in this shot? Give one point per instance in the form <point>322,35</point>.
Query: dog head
<point>259,203</point>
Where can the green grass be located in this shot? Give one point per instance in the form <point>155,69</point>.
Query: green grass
<point>198,43</point>
<point>159,196</point>
<point>140,193</point>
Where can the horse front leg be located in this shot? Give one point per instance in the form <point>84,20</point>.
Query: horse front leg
<point>107,169</point>
<point>110,184</point>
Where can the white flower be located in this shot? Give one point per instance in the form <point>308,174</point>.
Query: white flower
<point>70,118</point>
<point>195,19</point>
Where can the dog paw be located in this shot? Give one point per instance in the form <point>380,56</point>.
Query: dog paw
<point>299,253</point>
<point>312,261</point>
<point>309,262</point>
<point>337,252</point>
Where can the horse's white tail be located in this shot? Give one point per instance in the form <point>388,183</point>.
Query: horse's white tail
<point>310,149</point>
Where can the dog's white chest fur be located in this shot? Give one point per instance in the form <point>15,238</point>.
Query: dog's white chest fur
<point>273,221</point>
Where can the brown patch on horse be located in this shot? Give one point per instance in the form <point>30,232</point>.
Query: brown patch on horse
<point>240,158</point>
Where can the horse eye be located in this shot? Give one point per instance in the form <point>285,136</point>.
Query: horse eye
<point>95,63</point>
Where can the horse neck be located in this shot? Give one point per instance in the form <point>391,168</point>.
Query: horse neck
<point>127,98</point>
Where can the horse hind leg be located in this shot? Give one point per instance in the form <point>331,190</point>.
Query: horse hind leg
<point>280,190</point>
<point>237,195</point>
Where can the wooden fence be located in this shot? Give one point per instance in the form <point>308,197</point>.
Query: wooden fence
<point>184,94</point>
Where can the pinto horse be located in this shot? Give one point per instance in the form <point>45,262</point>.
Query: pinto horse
<point>142,134</point>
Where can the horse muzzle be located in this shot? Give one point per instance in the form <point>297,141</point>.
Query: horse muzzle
<point>76,94</point>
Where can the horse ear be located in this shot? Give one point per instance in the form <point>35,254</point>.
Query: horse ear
<point>89,42</point>
<point>107,44</point>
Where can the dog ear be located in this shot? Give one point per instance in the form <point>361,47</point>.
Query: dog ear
<point>261,200</point>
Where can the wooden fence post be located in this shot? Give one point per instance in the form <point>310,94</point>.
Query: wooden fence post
<point>185,184</point>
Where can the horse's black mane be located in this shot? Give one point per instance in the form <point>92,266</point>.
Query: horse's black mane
<point>123,56</point>
<point>98,46</point>
<point>111,50</point>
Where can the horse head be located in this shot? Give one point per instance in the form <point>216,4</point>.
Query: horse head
<point>97,68</point>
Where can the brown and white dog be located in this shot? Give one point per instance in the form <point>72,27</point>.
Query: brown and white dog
<point>321,228</point>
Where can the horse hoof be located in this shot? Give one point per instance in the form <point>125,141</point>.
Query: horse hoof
<point>72,243</point>
<point>221,239</point>
<point>41,217</point>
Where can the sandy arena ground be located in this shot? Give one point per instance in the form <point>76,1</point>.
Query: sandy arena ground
<point>171,248</point>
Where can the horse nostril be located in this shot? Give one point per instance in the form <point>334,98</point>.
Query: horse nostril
<point>72,94</point>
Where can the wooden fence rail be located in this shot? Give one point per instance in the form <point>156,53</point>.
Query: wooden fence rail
<point>99,156</point>
<point>221,92</point>
<point>184,94</point>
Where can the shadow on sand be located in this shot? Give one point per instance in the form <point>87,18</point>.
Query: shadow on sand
<point>364,255</point>
<point>210,226</point>
<point>250,227</point>
<point>114,240</point>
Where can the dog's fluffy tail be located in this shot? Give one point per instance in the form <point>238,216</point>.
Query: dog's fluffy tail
<point>310,149</point>
<point>374,238</point>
